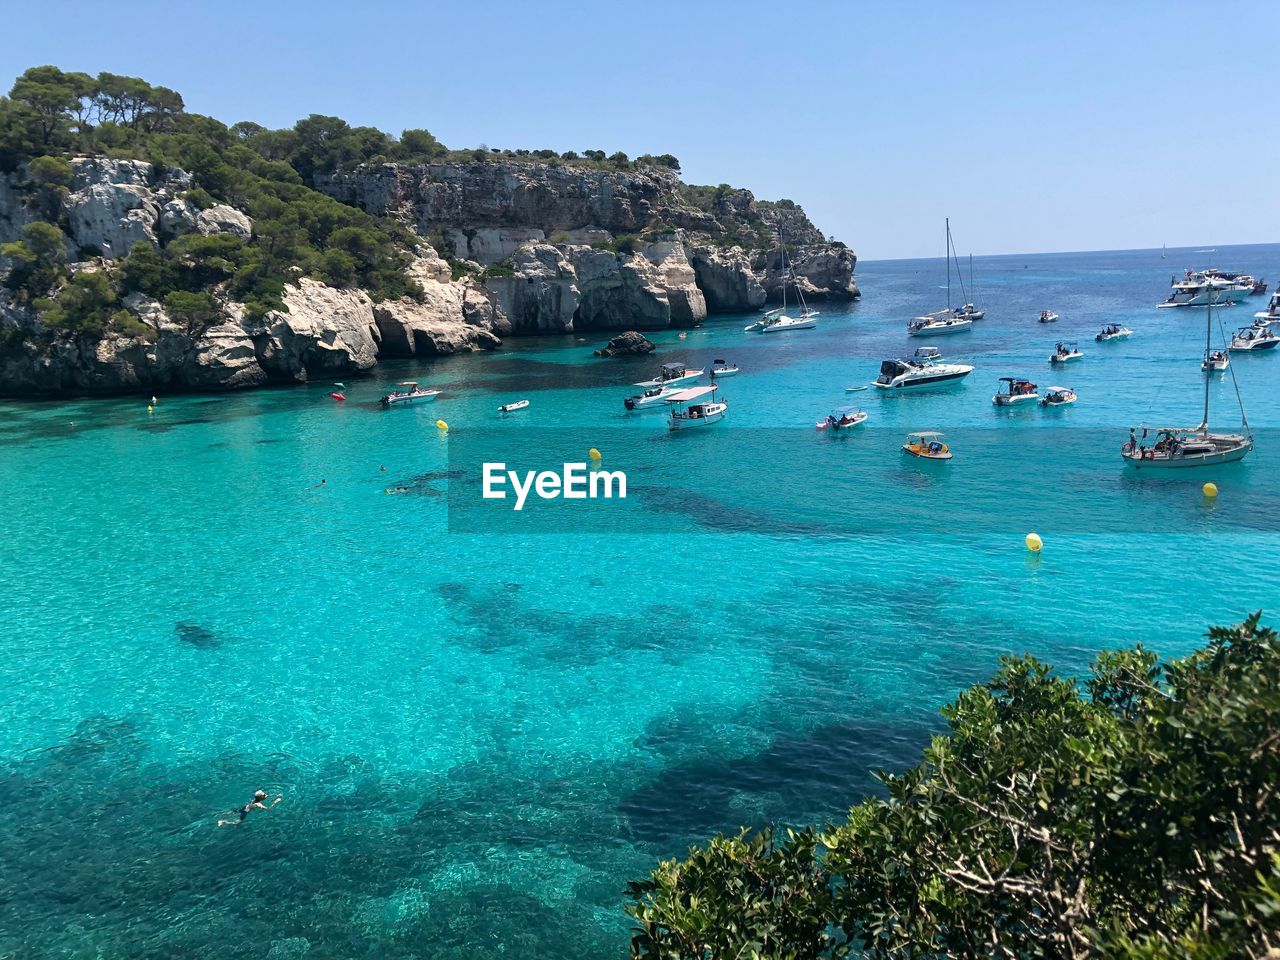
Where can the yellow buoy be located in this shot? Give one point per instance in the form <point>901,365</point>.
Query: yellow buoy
<point>593,453</point>
<point>442,425</point>
<point>149,408</point>
<point>1210,489</point>
<point>1034,543</point>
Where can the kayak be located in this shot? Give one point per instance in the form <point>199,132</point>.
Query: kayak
<point>337,396</point>
<point>517,405</point>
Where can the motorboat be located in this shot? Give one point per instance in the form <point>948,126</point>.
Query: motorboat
<point>1215,361</point>
<point>1016,390</point>
<point>926,324</point>
<point>927,445</point>
<point>1113,331</point>
<point>651,399</point>
<point>1048,316</point>
<point>937,324</point>
<point>1065,352</point>
<point>1196,446</point>
<point>926,369</point>
<point>512,407</point>
<point>1206,287</point>
<point>406,392</point>
<point>1253,339</point>
<point>671,374</point>
<point>842,418</point>
<point>722,369</point>
<point>689,409</point>
<point>1272,313</point>
<point>1058,397</point>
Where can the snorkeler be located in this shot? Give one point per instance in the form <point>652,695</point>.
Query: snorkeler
<point>255,804</point>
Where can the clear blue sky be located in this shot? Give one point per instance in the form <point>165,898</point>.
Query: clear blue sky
<point>1035,127</point>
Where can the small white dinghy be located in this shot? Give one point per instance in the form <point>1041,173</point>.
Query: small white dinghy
<point>510,407</point>
<point>1058,397</point>
<point>1048,316</point>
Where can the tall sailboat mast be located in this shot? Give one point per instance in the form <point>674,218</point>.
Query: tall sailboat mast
<point>948,222</point>
<point>1208,343</point>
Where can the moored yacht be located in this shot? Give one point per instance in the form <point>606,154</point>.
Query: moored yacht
<point>777,320</point>
<point>926,369</point>
<point>669,375</point>
<point>937,324</point>
<point>1196,446</point>
<point>952,319</point>
<point>1205,287</point>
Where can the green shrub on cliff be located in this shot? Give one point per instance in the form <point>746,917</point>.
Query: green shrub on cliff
<point>1134,815</point>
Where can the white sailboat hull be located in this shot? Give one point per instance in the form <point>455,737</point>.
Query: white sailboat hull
<point>1236,448</point>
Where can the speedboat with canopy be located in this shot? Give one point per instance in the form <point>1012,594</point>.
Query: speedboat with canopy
<point>927,445</point>
<point>842,418</point>
<point>926,369</point>
<point>671,374</point>
<point>1016,390</point>
<point>1058,397</point>
<point>689,409</point>
<point>1197,446</point>
<point>407,392</point>
<point>722,369</point>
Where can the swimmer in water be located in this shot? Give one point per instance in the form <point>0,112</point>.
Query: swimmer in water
<point>257,803</point>
<point>317,486</point>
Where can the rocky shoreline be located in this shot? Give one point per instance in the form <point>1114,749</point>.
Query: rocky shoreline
<point>502,249</point>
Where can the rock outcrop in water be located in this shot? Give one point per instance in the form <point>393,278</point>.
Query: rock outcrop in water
<point>630,343</point>
<point>506,248</point>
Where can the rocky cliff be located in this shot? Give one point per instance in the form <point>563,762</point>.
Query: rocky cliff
<point>504,248</point>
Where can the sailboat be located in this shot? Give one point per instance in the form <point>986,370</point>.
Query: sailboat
<point>952,319</point>
<point>776,320</point>
<point>1164,253</point>
<point>1196,447</point>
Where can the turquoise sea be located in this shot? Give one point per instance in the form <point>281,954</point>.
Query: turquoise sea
<point>485,723</point>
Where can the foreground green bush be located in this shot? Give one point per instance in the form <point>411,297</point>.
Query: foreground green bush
<point>1131,815</point>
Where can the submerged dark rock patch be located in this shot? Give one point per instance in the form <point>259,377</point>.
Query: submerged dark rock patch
<point>194,635</point>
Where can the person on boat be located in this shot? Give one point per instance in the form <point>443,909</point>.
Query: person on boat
<point>257,803</point>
